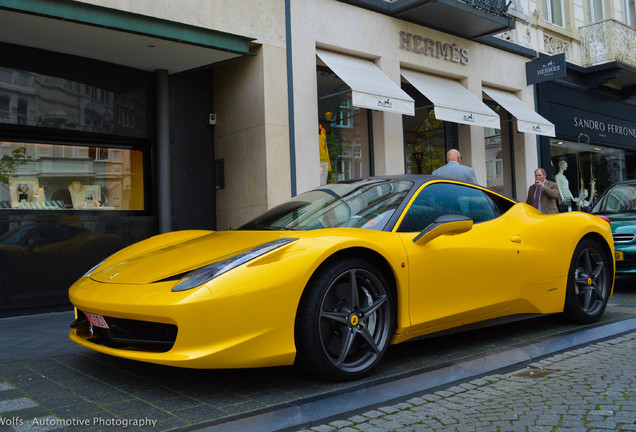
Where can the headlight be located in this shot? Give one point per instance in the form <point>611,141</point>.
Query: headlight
<point>90,272</point>
<point>205,274</point>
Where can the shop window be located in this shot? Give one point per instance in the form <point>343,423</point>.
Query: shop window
<point>59,177</point>
<point>498,145</point>
<point>553,12</point>
<point>426,139</point>
<point>583,171</point>
<point>343,131</point>
<point>425,147</point>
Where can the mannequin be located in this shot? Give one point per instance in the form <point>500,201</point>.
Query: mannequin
<point>564,188</point>
<point>325,161</point>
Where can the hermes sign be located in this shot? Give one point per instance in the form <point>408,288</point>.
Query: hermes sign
<point>425,46</point>
<point>545,68</point>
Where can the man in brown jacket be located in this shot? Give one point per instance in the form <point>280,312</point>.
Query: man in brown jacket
<point>543,194</point>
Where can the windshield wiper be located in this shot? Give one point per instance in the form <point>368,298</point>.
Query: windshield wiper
<point>258,227</point>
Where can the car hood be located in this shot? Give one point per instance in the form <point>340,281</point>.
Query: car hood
<point>620,221</point>
<point>171,255</point>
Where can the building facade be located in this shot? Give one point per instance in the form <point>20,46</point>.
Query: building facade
<point>593,106</point>
<point>122,120</point>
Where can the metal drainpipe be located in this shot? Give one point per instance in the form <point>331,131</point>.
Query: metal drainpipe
<point>164,194</point>
<point>290,99</point>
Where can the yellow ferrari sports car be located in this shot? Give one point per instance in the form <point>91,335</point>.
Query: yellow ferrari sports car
<point>330,279</point>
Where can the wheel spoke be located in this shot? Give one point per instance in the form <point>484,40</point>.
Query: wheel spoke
<point>581,278</point>
<point>597,271</point>
<point>355,298</point>
<point>347,342</point>
<point>588,261</point>
<point>379,301</point>
<point>364,332</point>
<point>340,318</point>
<point>587,291</point>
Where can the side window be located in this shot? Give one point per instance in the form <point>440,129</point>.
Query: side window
<point>477,205</point>
<point>444,198</point>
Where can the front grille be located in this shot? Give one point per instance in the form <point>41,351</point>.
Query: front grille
<point>628,263</point>
<point>129,334</point>
<point>623,237</point>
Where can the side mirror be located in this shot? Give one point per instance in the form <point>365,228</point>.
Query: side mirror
<point>36,244</point>
<point>447,224</point>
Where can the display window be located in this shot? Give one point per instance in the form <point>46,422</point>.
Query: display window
<point>426,139</point>
<point>343,131</point>
<point>494,160</point>
<point>499,153</point>
<point>425,147</point>
<point>36,176</point>
<point>583,171</point>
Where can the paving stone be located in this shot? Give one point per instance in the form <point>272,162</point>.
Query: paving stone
<point>568,398</point>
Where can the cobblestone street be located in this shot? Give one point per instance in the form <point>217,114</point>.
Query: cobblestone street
<point>588,389</point>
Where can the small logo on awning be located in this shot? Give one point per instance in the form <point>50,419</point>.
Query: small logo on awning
<point>469,117</point>
<point>385,103</point>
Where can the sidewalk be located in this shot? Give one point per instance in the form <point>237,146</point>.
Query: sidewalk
<point>587,389</point>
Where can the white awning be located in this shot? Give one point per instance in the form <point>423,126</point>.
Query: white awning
<point>527,119</point>
<point>370,87</point>
<point>452,101</point>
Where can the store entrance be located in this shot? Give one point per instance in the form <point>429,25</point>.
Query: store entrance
<point>192,151</point>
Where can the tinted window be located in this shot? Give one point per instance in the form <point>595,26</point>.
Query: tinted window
<point>620,198</point>
<point>441,199</point>
<point>361,204</point>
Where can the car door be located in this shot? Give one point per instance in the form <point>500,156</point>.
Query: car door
<point>462,278</point>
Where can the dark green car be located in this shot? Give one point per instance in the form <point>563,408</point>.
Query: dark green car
<point>618,203</point>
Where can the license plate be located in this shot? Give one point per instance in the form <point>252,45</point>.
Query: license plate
<point>619,255</point>
<point>96,320</point>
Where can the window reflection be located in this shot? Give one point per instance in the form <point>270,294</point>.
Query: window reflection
<point>424,141</point>
<point>33,99</point>
<point>54,177</point>
<point>343,134</point>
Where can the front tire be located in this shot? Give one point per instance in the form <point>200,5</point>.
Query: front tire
<point>345,320</point>
<point>589,283</point>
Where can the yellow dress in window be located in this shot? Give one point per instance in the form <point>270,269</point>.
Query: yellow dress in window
<point>324,150</point>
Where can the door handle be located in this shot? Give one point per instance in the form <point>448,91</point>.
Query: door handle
<point>515,238</point>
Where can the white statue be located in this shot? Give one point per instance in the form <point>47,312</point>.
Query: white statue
<point>564,189</point>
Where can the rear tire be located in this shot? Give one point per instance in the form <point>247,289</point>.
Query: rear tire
<point>345,320</point>
<point>589,283</point>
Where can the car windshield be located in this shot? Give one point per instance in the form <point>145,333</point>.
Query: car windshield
<point>359,204</point>
<point>620,198</point>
